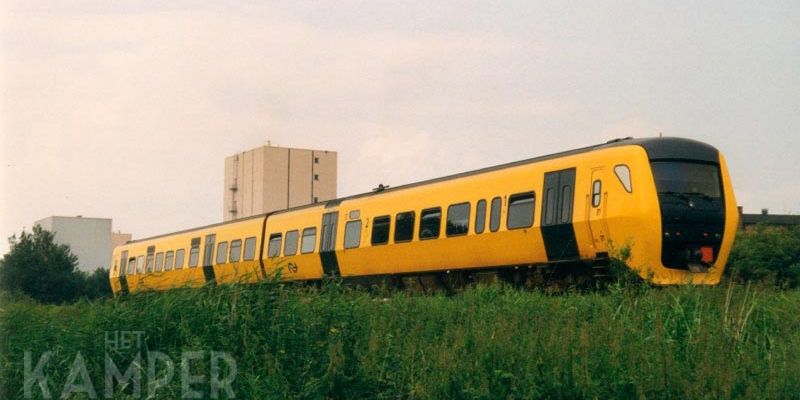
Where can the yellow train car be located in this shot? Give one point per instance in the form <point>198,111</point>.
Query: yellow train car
<point>668,203</point>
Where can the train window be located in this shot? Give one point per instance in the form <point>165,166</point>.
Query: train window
<point>430,223</point>
<point>404,226</point>
<point>290,246</point>
<point>250,248</point>
<point>194,252</point>
<point>457,220</point>
<point>380,229</point>
<point>149,265</point>
<point>168,259</point>
<point>123,263</point>
<point>624,174</point>
<point>274,248</point>
<point>550,212</point>
<point>566,204</point>
<point>222,252</point>
<point>159,262</point>
<point>352,234</point>
<point>131,265</point>
<point>480,216</point>
<point>179,258</point>
<point>596,190</point>
<point>494,220</point>
<point>236,250</point>
<point>309,241</point>
<point>140,264</point>
<point>520,210</point>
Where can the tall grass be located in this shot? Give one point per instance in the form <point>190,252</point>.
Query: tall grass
<point>486,343</point>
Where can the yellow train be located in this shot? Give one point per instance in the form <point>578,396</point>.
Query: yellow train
<point>667,201</point>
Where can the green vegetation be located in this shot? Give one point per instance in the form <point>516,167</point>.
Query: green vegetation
<point>38,267</point>
<point>767,254</point>
<point>486,342</point>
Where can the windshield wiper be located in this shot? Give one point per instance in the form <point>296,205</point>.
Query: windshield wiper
<point>703,195</point>
<point>679,195</point>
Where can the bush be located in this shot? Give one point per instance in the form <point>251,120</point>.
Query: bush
<point>38,267</point>
<point>767,254</point>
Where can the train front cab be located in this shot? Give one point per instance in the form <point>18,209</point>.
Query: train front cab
<point>680,226</point>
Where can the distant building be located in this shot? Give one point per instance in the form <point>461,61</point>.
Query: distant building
<point>272,178</point>
<point>90,239</point>
<point>749,221</point>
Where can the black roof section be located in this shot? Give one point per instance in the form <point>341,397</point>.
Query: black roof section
<point>656,148</point>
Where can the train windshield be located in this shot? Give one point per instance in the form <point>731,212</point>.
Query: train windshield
<point>687,178</point>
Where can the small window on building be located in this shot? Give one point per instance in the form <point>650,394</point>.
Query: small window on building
<point>309,241</point>
<point>316,199</point>
<point>179,258</point>
<point>480,216</point>
<point>624,174</point>
<point>457,219</point>
<point>249,248</point>
<point>140,264</point>
<point>404,226</point>
<point>596,193</point>
<point>352,234</point>
<point>194,252</point>
<point>290,246</point>
<point>380,229</point>
<point>222,252</point>
<point>316,177</point>
<point>131,265</point>
<point>168,260</point>
<point>520,210</point>
<point>316,160</point>
<point>494,220</point>
<point>149,265</point>
<point>274,248</point>
<point>159,262</point>
<point>236,251</point>
<point>430,223</point>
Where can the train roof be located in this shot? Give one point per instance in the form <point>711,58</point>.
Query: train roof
<point>656,148</point>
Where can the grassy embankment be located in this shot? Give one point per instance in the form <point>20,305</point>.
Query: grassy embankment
<point>487,342</point>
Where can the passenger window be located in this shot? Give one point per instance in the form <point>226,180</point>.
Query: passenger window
<point>520,210</point>
<point>566,204</point>
<point>309,241</point>
<point>249,248</point>
<point>290,247</point>
<point>624,174</point>
<point>430,223</point>
<point>404,226</point>
<point>380,229</point>
<point>168,259</point>
<point>159,262</point>
<point>596,190</point>
<point>194,252</point>
<point>494,220</point>
<point>179,258</point>
<point>140,264</point>
<point>222,252</point>
<point>123,262</point>
<point>352,234</point>
<point>480,216</point>
<point>274,248</point>
<point>457,219</point>
<point>131,265</point>
<point>236,250</point>
<point>550,212</point>
<point>149,265</point>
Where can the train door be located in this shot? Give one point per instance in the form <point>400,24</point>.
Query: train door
<point>208,258</point>
<point>123,278</point>
<point>557,229</point>
<point>327,244</point>
<point>596,214</point>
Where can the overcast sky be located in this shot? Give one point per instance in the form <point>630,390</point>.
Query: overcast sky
<point>127,110</point>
